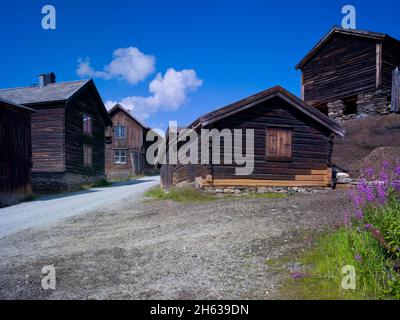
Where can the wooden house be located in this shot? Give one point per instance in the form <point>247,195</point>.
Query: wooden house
<point>349,73</point>
<point>15,152</point>
<point>292,144</point>
<point>68,132</point>
<point>126,156</point>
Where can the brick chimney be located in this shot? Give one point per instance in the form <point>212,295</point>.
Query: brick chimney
<point>46,78</point>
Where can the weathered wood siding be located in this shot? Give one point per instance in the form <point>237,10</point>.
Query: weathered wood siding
<point>344,67</point>
<point>310,148</point>
<point>48,140</point>
<point>15,155</point>
<point>75,137</point>
<point>133,144</point>
<point>390,60</point>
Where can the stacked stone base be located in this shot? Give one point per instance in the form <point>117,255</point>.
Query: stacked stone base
<point>45,183</point>
<point>264,190</point>
<point>368,104</point>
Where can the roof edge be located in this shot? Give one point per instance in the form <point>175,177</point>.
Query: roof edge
<point>335,30</point>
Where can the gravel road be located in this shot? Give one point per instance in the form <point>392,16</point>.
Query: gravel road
<point>50,209</point>
<point>166,250</point>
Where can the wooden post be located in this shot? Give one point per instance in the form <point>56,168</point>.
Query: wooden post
<point>396,91</point>
<point>378,65</point>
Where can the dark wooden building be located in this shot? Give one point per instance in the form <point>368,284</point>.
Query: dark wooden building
<point>126,157</point>
<point>349,73</point>
<point>68,132</point>
<point>15,152</point>
<point>292,144</point>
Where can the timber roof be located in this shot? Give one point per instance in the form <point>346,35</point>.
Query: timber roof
<point>337,30</point>
<point>15,105</point>
<point>266,95</point>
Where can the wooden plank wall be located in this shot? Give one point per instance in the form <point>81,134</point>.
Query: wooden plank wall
<point>344,67</point>
<point>396,91</point>
<point>48,140</point>
<point>390,60</point>
<point>15,155</point>
<point>75,138</point>
<point>310,148</point>
<point>133,144</point>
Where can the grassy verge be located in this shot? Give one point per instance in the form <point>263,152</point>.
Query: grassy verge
<point>353,245</point>
<point>180,195</point>
<point>322,276</point>
<point>103,183</point>
<point>193,195</point>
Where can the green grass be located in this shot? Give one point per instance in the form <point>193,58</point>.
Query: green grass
<point>180,195</point>
<point>103,183</point>
<point>189,194</point>
<point>323,269</point>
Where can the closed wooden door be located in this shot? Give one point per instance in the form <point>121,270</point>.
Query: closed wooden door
<point>279,143</point>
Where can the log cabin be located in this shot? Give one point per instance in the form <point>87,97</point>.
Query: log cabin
<point>126,157</point>
<point>15,152</point>
<point>68,132</point>
<point>349,73</point>
<point>293,144</point>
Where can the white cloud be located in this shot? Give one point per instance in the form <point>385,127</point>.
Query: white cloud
<point>168,93</point>
<point>129,64</point>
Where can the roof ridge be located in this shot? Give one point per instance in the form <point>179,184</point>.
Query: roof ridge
<point>50,84</point>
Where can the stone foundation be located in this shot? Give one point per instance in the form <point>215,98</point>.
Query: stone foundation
<point>44,183</point>
<point>264,190</point>
<point>368,104</point>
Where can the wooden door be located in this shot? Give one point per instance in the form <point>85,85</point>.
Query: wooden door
<point>279,144</point>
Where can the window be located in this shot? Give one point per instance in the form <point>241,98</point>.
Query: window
<point>87,155</point>
<point>87,124</point>
<point>119,132</point>
<point>279,144</point>
<point>120,156</point>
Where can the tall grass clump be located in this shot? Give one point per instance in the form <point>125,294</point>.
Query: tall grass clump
<point>369,241</point>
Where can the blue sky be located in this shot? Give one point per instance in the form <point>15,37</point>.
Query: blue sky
<point>236,48</point>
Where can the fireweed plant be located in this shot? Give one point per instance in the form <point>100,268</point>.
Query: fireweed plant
<point>373,226</point>
<point>369,241</point>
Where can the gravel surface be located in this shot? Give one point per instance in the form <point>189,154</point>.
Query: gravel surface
<point>49,209</point>
<point>165,250</point>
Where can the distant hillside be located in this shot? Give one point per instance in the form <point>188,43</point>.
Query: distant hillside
<point>367,143</point>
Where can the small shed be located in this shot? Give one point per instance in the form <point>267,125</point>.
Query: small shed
<point>349,73</point>
<point>292,144</point>
<point>15,152</point>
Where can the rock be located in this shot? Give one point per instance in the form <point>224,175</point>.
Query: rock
<point>344,180</point>
<point>342,175</point>
<point>262,190</point>
<point>219,191</point>
<point>228,191</point>
<point>237,191</point>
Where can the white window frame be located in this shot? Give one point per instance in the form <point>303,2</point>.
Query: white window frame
<point>87,119</point>
<point>120,156</point>
<point>118,130</point>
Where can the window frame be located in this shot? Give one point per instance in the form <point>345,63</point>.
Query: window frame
<point>120,136</point>
<point>87,124</point>
<point>278,157</point>
<point>120,157</point>
<point>87,155</point>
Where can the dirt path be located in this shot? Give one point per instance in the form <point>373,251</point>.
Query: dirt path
<point>165,250</point>
<point>50,209</point>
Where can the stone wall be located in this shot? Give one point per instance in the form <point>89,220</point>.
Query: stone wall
<point>44,183</point>
<point>264,190</point>
<point>368,104</point>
